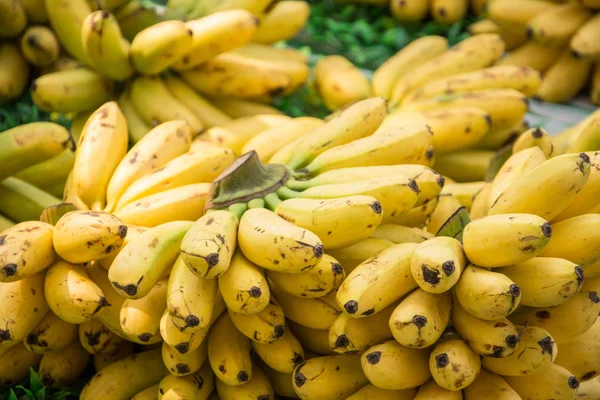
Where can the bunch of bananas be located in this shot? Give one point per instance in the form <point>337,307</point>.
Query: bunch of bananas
<point>445,12</point>
<point>557,38</point>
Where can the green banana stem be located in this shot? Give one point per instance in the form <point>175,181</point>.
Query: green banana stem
<point>298,184</point>
<point>256,203</point>
<point>272,201</point>
<point>238,209</point>
<point>285,193</point>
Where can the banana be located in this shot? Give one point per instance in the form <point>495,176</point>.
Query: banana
<point>21,201</point>
<point>318,313</point>
<point>239,108</point>
<point>464,165</point>
<point>489,386</point>
<point>553,382</point>
<point>568,68</point>
<point>420,318</point>
<point>15,72</point>
<point>16,363</point>
<point>457,128</point>
<point>61,368</point>
<point>124,378</point>
<point>229,353</point>
<point>352,256</point>
<point>103,360</point>
<point>50,334</point>
<point>453,365</point>
<point>533,55</point>
<point>587,136</point>
<point>589,389</point>
<point>401,234</point>
<point>140,318</point>
<point>437,263</point>
<point>133,232</point>
<point>84,236</point>
<point>98,339</point>
<point>243,286</point>
<point>516,13</point>
<point>317,216</point>
<point>283,22</point>
<point>484,26</point>
<point>410,11</point>
<point>556,26</point>
<point>464,192</point>
<point>357,121</point>
<point>266,326</point>
<point>109,315</point>
<point>563,322</point>
<point>497,338</point>
<point>35,10</point>
<point>339,82</point>
<point>448,12</point>
<point>314,340</point>
<point>587,198</point>
<point>373,392</point>
<point>108,5</point>
<point>348,335</point>
<point>5,223</point>
<point>190,299</point>
<point>62,63</point>
<point>66,19</point>
<point>184,364</point>
<point>431,390</point>
<point>144,92</point>
<point>575,239</point>
<point>595,86</point>
<point>39,46</point>
<point>258,387</point>
<point>534,137</point>
<point>391,366</point>
<point>13,20</point>
<point>71,294</point>
<point>283,355</point>
<point>25,250</point>
<point>50,175</point>
<point>258,8</point>
<point>212,35</point>
<point>580,356</point>
<point>418,216</point>
<point>196,386</point>
<point>136,126</point>
<point>331,377</point>
<point>500,136</point>
<point>146,259</point>
<point>324,278</point>
<point>378,282</point>
<point>156,48</point>
<point>471,54</point>
<point>106,48</point>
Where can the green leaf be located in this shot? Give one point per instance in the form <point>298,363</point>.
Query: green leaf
<point>455,225</point>
<point>12,395</point>
<point>28,393</point>
<point>35,383</point>
<point>41,394</point>
<point>497,162</point>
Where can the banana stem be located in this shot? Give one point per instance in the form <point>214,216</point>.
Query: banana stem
<point>272,201</point>
<point>298,185</point>
<point>238,209</point>
<point>287,193</point>
<point>256,203</point>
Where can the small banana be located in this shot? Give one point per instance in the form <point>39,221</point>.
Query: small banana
<point>39,46</point>
<point>140,318</point>
<point>410,10</point>
<point>136,126</point>
<point>66,18</point>
<point>266,326</point>
<point>569,68</point>
<point>282,355</point>
<point>15,364</point>
<point>229,353</point>
<point>533,55</point>
<point>437,263</point>
<point>516,13</point>
<point>283,22</point>
<point>13,18</point>
<point>257,387</point>
<point>556,25</point>
<point>449,12</point>
<point>195,386</point>
<point>15,72</point>
<point>50,334</point>
<point>98,339</point>
<point>583,43</point>
<point>453,364</point>
<point>352,256</point>
<point>554,381</point>
<point>36,10</point>
<point>133,231</point>
<point>184,364</point>
<point>318,313</point>
<point>135,16</point>
<point>61,368</point>
<point>489,386</point>
<point>534,137</point>
<point>339,82</point>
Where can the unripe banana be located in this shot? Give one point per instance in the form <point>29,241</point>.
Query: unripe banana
<point>140,318</point>
<point>555,26</point>
<point>489,386</point>
<point>148,258</point>
<point>84,236</point>
<point>453,365</point>
<point>464,165</point>
<point>283,355</point>
<point>391,366</point>
<point>349,335</point>
<point>378,281</point>
<point>266,326</point>
<point>431,390</point>
<point>243,286</point>
<point>98,339</point>
<point>352,256</point>
<point>136,126</point>
<point>332,377</point>
<point>533,55</point>
<point>313,340</point>
<point>50,175</point>
<point>39,46</point>
<point>61,368</point>
<point>196,386</point>
<point>339,82</point>
<point>184,364</point>
<point>51,334</point>
<point>569,68</point>
<point>554,381</point>
<point>26,250</point>
<point>16,363</point>
<point>449,11</point>
<point>229,353</point>
<point>420,318</point>
<point>21,201</point>
<point>14,74</point>
<point>13,18</point>
<point>580,355</point>
<point>534,137</point>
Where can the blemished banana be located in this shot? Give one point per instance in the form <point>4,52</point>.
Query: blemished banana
<point>51,334</point>
<point>580,356</point>
<point>547,189</point>
<point>534,137</point>
<point>401,234</point>
<point>556,26</point>
<point>21,201</point>
<point>356,218</point>
<point>410,10</point>
<point>568,68</point>
<point>184,364</point>
<point>464,192</point>
<point>316,313</point>
<point>106,48</point>
<point>420,318</point>
<point>449,11</point>
<point>437,263</point>
<point>257,387</point>
<point>103,360</point>
<point>39,46</point>
<point>575,239</point>
<point>50,175</point>
<point>61,368</point>
<point>195,386</point>
<point>13,20</point>
<point>211,35</point>
<point>229,353</point>
<point>15,364</point>
<point>391,366</point>
<point>136,126</point>
<point>471,54</point>
<point>497,338</point>
<point>133,231</point>
<point>15,72</point>
<point>348,335</point>
<point>282,355</point>
<point>84,236</point>
<point>486,294</point>
<point>339,82</point>
<point>140,318</point>
<point>378,281</point>
<point>419,216</point>
<point>66,18</point>
<point>431,390</point>
<point>124,378</point>
<point>489,386</point>
<point>329,377</point>
<point>464,165</point>
<point>145,91</point>
<point>563,322</point>
<point>352,256</point>
<point>282,22</point>
<point>109,315</point>
<point>453,364</point>
<point>17,260</point>
<point>457,128</point>
<point>583,43</point>
<point>555,381</point>
<point>146,259</point>
<point>322,279</point>
<point>532,54</point>
<point>313,340</point>
<point>97,338</point>
<point>240,108</point>
<point>266,326</point>
<point>501,136</point>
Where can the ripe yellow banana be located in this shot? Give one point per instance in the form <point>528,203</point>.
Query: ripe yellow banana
<point>108,5</point>
<point>136,126</point>
<point>339,82</point>
<point>419,216</point>
<point>373,392</point>
<point>66,18</point>
<point>586,136</point>
<point>135,16</point>
<point>196,386</point>
<point>329,377</point>
<point>568,68</point>
<point>410,10</point>
<point>317,216</point>
<point>61,368</point>
<point>51,334</point>
<point>266,326</point>
<point>103,360</point>
<point>283,355</point>
<point>580,355</point>
<point>109,315</point>
<point>284,21</point>
<point>556,25</point>
<point>589,390</point>
<point>437,263</point>
<point>313,340</point>
<point>39,46</point>
<point>453,364</point>
<point>464,192</point>
<point>516,13</point>
<point>50,175</point>
<point>133,231</point>
<point>147,259</point>
<point>555,381</point>
<point>18,260</point>
<point>184,364</point>
<point>98,339</point>
<point>588,198</point>
<point>401,234</point>
<point>489,386</point>
<point>14,74</point>
<point>431,390</point>
<point>464,165</point>
<point>229,353</point>
<point>239,108</point>
<point>348,335</point>
<point>13,18</point>
<point>449,11</point>
<point>533,55</point>
<point>352,256</point>
<point>15,364</point>
<point>140,318</point>
<point>420,318</point>
<point>534,137</point>
<point>258,387</point>
<point>124,378</point>
<point>391,366</point>
<point>595,87</point>
<point>575,239</point>
<point>258,8</point>
<point>378,281</point>
<point>457,128</point>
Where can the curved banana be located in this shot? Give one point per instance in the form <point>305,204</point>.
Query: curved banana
<point>534,137</point>
<point>318,313</point>
<point>457,128</point>
<point>140,318</point>
<point>15,364</point>
<point>229,353</point>
<point>66,18</point>
<point>184,364</point>
<point>13,18</point>
<point>14,74</point>
<point>133,231</point>
<point>583,43</point>
<point>283,22</point>
<point>21,201</point>
<point>62,368</point>
<point>282,355</point>
<point>453,364</point>
<point>569,68</point>
<point>464,165</point>
<point>555,381</point>
<point>575,239</point>
<point>258,387</point>
<point>50,175</point>
<point>410,10</point>
<point>437,263</point>
<point>352,256</point>
<point>556,25</point>
<point>98,339</point>
<point>51,334</point>
<point>39,46</point>
<point>532,54</point>
<point>580,356</point>
<point>489,386</point>
<point>431,390</point>
<point>265,327</point>
<point>196,386</point>
<point>136,126</point>
<point>449,12</point>
<point>339,82</point>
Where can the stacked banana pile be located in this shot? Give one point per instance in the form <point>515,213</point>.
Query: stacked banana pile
<point>442,11</point>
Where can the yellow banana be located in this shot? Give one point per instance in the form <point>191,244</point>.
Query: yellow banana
<point>215,34</point>
<point>61,368</point>
<point>39,46</point>
<point>568,68</point>
<point>135,16</point>
<point>136,126</point>
<point>16,363</point>
<point>595,86</point>
<point>13,18</point>
<point>103,360</point>
<point>18,259</point>
<point>587,135</point>
<point>229,353</point>
<point>418,216</point>
<point>109,315</point>
<point>140,318</point>
<point>516,13</point>
<point>66,18</point>
<point>554,381</point>
<point>489,386</point>
<point>314,340</point>
<point>401,234</point>
<point>373,392</point>
<point>133,231</point>
<point>146,259</point>
<point>453,364</point>
<point>108,5</point>
<point>534,137</point>
<point>196,386</point>
<point>14,74</point>
<point>339,82</point>
<point>258,8</point>
<point>352,256</point>
<point>98,339</point>
<point>431,390</point>
<point>589,390</point>
<point>449,11</point>
<point>588,197</point>
<point>556,25</point>
<point>240,108</point>
<point>36,10</point>
<point>317,216</point>
<point>50,175</point>
<point>63,63</point>
<point>184,364</point>
<point>378,281</point>
<point>51,334</point>
<point>332,377</point>
<point>284,21</point>
<point>124,378</point>
<point>464,192</point>
<point>391,366</point>
<point>258,387</point>
<point>437,263</point>
<point>500,136</point>
<point>410,10</point>
<point>283,355</point>
<point>580,355</point>
<point>420,318</point>
<point>464,165</point>
<point>266,326</point>
<point>457,128</point>
<point>575,239</point>
<point>533,55</point>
